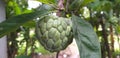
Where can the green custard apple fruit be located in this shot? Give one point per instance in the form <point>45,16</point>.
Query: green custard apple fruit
<point>54,33</point>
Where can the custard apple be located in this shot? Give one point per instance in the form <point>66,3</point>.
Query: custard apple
<point>54,32</point>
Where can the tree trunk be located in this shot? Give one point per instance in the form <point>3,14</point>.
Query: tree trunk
<point>3,40</point>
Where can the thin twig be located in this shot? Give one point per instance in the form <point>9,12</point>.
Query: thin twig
<point>57,54</point>
<point>60,7</point>
<point>67,5</point>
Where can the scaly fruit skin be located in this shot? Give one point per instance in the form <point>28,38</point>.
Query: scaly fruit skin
<point>54,33</point>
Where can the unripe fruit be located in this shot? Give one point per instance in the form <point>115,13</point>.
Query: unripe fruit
<point>54,33</point>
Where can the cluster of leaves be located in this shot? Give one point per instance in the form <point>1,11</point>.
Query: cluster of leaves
<point>18,26</point>
<point>85,15</point>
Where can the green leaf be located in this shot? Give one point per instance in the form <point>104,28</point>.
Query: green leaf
<point>30,24</point>
<point>75,5</point>
<point>23,56</point>
<point>117,29</point>
<point>86,2</point>
<point>106,5</point>
<point>16,8</point>
<point>48,1</point>
<point>86,38</point>
<point>101,6</point>
<point>95,5</point>
<point>13,23</point>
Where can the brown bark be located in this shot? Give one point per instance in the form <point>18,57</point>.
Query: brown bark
<point>112,38</point>
<point>104,34</point>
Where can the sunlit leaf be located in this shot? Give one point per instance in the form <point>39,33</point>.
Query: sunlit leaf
<point>16,8</point>
<point>48,1</point>
<point>117,29</point>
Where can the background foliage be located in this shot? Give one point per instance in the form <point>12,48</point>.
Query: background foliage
<point>88,16</point>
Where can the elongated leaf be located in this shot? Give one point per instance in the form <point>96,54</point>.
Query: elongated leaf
<point>13,23</point>
<point>86,38</point>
